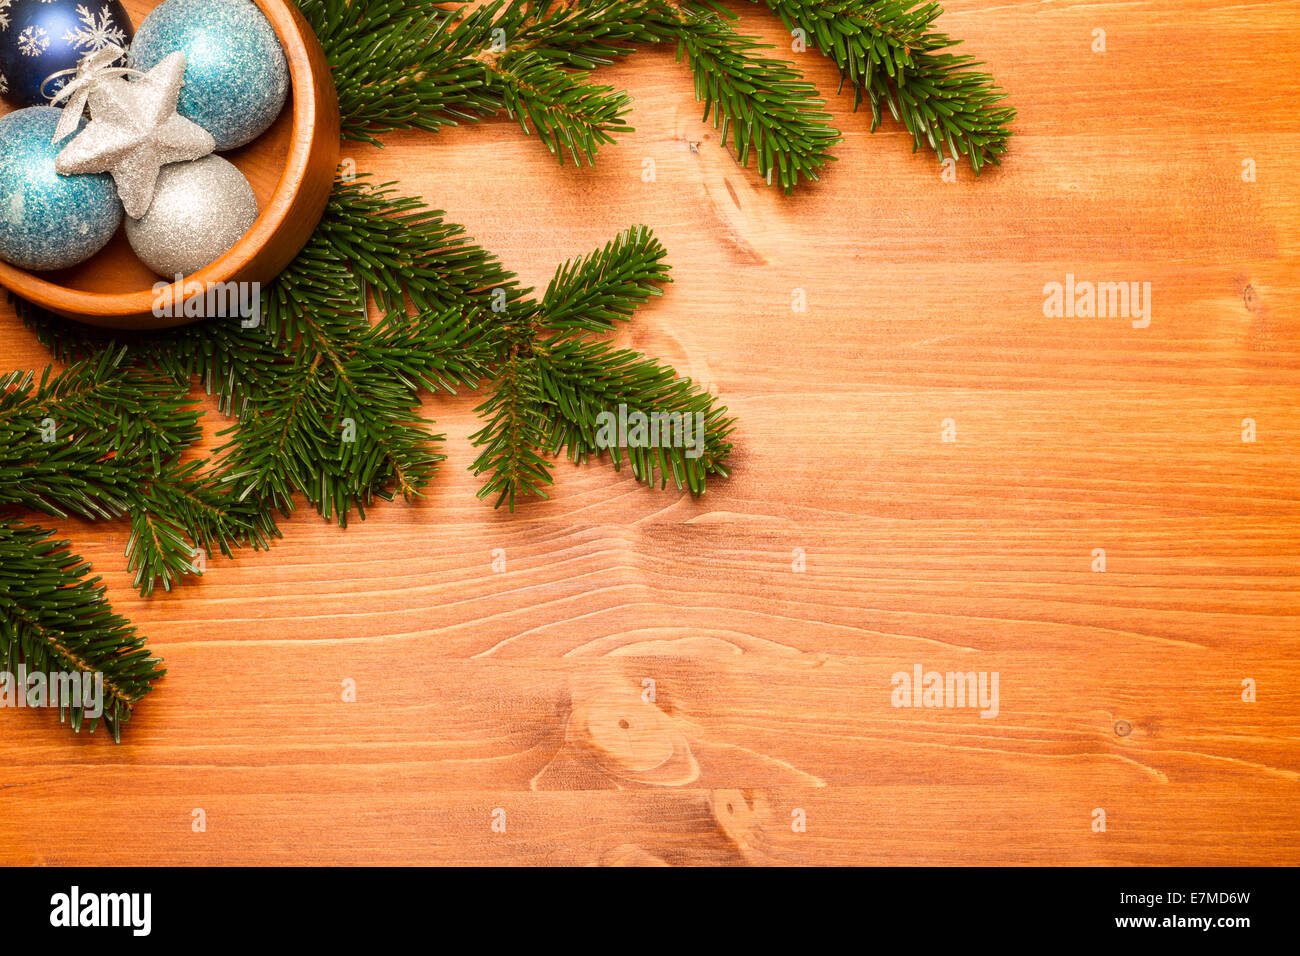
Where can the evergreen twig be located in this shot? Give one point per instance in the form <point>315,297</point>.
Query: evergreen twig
<point>425,67</point>
<point>54,619</point>
<point>889,51</point>
<point>555,383</point>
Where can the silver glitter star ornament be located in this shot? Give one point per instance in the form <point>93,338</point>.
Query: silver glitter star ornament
<point>134,129</point>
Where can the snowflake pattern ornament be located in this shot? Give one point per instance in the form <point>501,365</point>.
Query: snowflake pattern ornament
<point>95,30</point>
<point>41,39</point>
<point>33,41</point>
<point>134,129</point>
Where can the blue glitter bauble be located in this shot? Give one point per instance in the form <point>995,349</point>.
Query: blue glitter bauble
<point>41,37</point>
<point>236,74</point>
<point>48,221</point>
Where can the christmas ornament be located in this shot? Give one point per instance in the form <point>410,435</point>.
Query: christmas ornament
<point>199,210</point>
<point>48,221</point>
<point>39,38</point>
<point>134,129</point>
<point>236,74</point>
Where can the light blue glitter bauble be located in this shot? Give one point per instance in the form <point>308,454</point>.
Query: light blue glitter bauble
<point>236,75</point>
<point>48,221</point>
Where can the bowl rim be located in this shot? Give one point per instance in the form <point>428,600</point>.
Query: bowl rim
<point>289,29</point>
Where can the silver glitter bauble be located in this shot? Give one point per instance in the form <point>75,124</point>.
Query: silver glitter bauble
<point>200,209</point>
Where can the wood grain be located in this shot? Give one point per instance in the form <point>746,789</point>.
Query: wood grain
<point>520,696</point>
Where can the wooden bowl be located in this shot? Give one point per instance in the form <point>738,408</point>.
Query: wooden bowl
<point>291,168</point>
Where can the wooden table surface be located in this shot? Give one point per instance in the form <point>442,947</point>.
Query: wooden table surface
<point>657,679</point>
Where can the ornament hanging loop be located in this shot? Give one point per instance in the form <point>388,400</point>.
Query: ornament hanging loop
<point>94,69</point>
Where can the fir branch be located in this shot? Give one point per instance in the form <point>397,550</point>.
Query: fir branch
<point>403,65</point>
<point>277,442</point>
<point>53,618</point>
<point>566,110</point>
<point>157,550</point>
<point>336,424</point>
<point>104,439</point>
<point>758,104</point>
<point>889,51</point>
<point>592,293</point>
<point>384,438</point>
<point>230,360</point>
<point>180,516</point>
<point>533,61</point>
<point>555,386</point>
<point>685,432</point>
<point>587,34</point>
<point>84,441</point>
<point>512,436</point>
<point>336,370</point>
<point>340,426</point>
<point>405,253</point>
<point>399,65</point>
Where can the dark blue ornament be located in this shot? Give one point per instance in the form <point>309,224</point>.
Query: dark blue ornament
<point>39,38</point>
